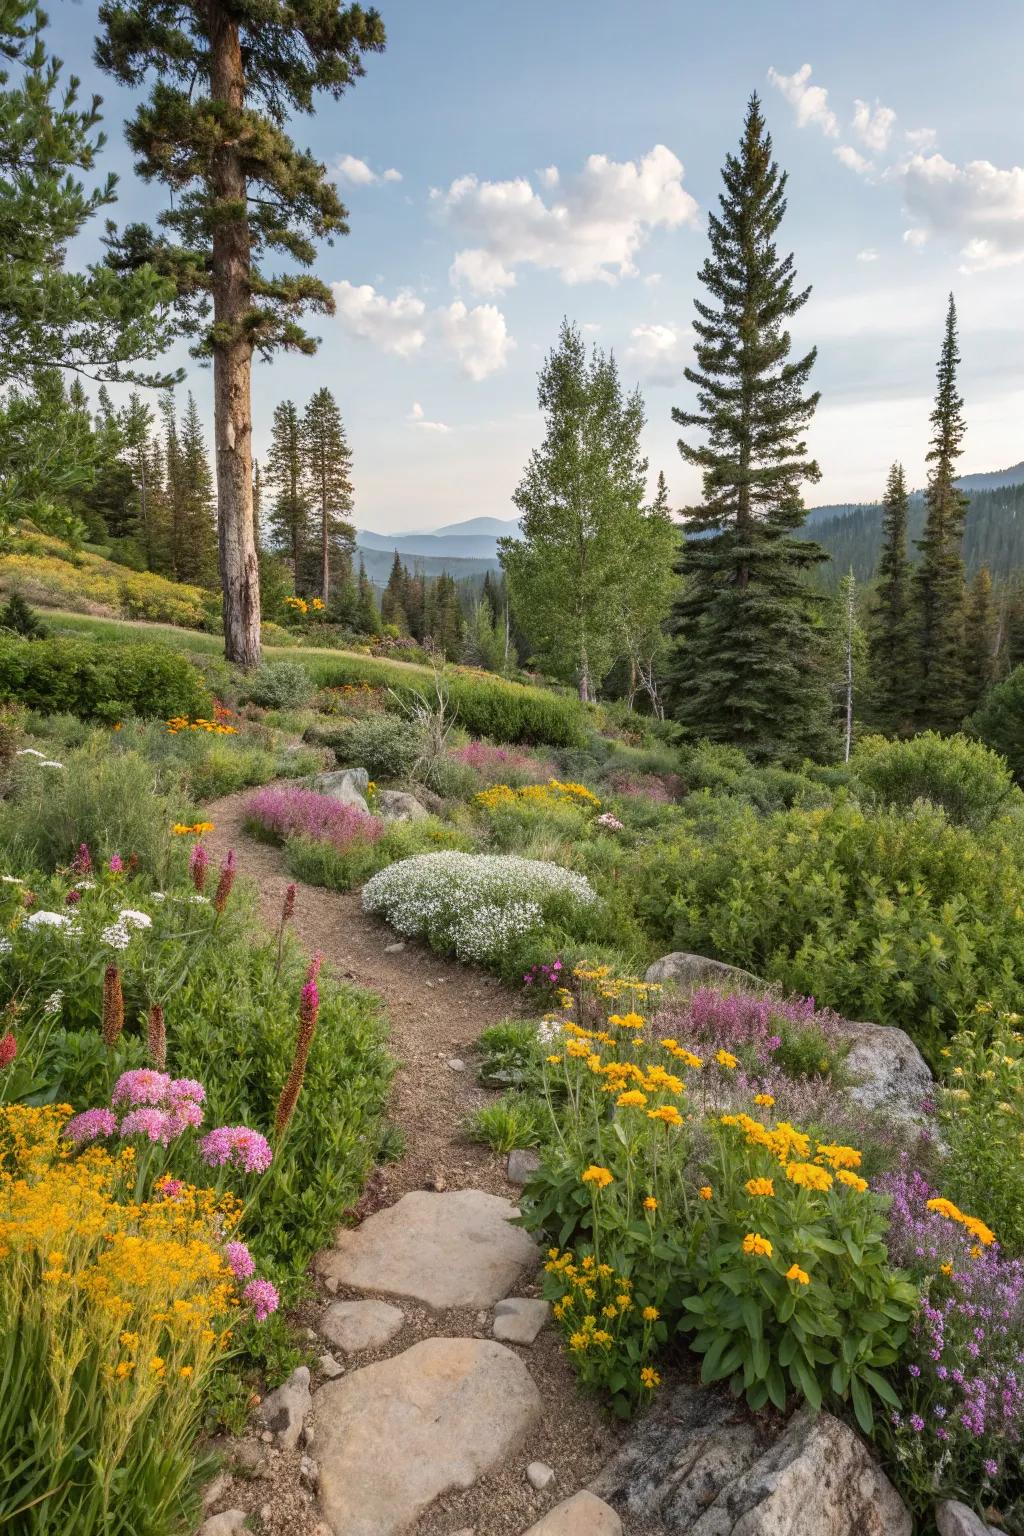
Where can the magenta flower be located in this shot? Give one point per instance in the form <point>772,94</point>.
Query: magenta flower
<point>241,1260</point>
<point>81,864</point>
<point>170,1189</point>
<point>290,812</point>
<point>141,1086</point>
<point>262,1297</point>
<point>149,1122</point>
<point>182,1113</point>
<point>198,863</point>
<point>116,865</point>
<point>187,1088</point>
<point>238,1145</point>
<point>89,1125</point>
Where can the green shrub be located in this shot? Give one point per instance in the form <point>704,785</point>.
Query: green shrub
<point>982,1120</point>
<point>384,745</point>
<point>512,1056</point>
<point>339,869</point>
<point>999,722</point>
<point>970,782</point>
<point>107,681</point>
<point>515,1121</point>
<point>278,685</point>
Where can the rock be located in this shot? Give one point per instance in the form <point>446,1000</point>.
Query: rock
<point>398,805</point>
<point>283,1411</point>
<point>329,1367</point>
<point>519,1319</point>
<point>455,1249</point>
<point>217,1489</point>
<point>394,949</point>
<point>955,1519</point>
<point>522,1164</point>
<point>248,1458</point>
<point>437,1182</point>
<point>456,1064</point>
<point>889,1071</point>
<point>227,1524</point>
<point>688,971</point>
<point>539,1475</point>
<point>309,1472</point>
<point>455,1409</point>
<point>354,1325</point>
<point>349,785</point>
<point>582,1515</point>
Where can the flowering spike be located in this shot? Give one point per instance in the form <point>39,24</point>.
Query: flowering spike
<point>288,909</point>
<point>228,870</point>
<point>113,1006</point>
<point>198,863</point>
<point>81,864</point>
<point>8,1050</point>
<point>156,1037</point>
<point>309,1010</point>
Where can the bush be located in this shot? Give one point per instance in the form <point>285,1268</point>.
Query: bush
<point>999,722</point>
<point>278,685</point>
<point>384,745</point>
<point>290,812</point>
<point>982,1117</point>
<point>100,681</point>
<point>515,1121</point>
<point>970,782</point>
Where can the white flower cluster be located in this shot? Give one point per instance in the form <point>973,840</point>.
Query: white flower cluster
<point>477,904</point>
<point>53,1002</point>
<point>119,935</point>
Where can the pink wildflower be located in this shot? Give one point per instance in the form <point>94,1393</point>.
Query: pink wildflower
<point>81,864</point>
<point>116,864</point>
<point>241,1260</point>
<point>169,1189</point>
<point>236,1144</point>
<point>89,1125</point>
<point>262,1297</point>
<point>153,1123</point>
<point>72,898</point>
<point>187,1088</point>
<point>8,1050</point>
<point>141,1086</point>
<point>228,870</point>
<point>198,863</point>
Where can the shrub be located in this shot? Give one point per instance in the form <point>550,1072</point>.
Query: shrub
<point>999,721</point>
<point>58,578</point>
<point>970,782</point>
<point>284,813</point>
<point>502,765</point>
<point>478,906</point>
<point>20,619</point>
<point>339,869</point>
<point>100,681</point>
<point>515,1121</point>
<point>385,746</point>
<point>278,685</point>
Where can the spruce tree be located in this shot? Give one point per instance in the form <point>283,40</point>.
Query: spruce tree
<point>939,580</point>
<point>892,620</point>
<point>196,558</point>
<point>289,512</point>
<point>328,463</point>
<point>395,596</point>
<point>748,668</point>
<point>367,613</point>
<point>981,640</point>
<point>227,74</point>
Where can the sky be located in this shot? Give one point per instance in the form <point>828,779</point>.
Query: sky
<point>508,165</point>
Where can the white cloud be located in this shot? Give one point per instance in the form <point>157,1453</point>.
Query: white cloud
<point>652,279</point>
<point>915,238</point>
<point>394,325</point>
<point>869,254</point>
<point>358,174</point>
<point>873,125</point>
<point>478,338</point>
<point>809,102</point>
<point>658,353</point>
<point>591,327</point>
<point>979,202</point>
<point>853,159</point>
<point>589,230</point>
<point>419,419</point>
<point>921,138</point>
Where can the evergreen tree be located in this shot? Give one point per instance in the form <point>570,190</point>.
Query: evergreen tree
<point>367,612</point>
<point>482,645</point>
<point>195,557</point>
<point>136,421</point>
<point>748,668</point>
<point>981,641</point>
<point>328,474</point>
<point>892,621</point>
<point>443,625</point>
<point>393,601</point>
<point>227,74</point>
<point>581,500</point>
<point>289,514</point>
<point>940,576</point>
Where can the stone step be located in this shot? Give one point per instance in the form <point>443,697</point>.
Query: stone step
<point>582,1515</point>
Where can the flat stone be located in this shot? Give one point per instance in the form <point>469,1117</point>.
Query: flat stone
<point>353,1325</point>
<point>248,1457</point>
<point>394,949</point>
<point>955,1519</point>
<point>539,1475</point>
<point>284,1410</point>
<point>229,1523</point>
<point>522,1164</point>
<point>519,1319</point>
<point>217,1489</point>
<point>396,1435</point>
<point>456,1064</point>
<point>329,1367</point>
<point>347,785</point>
<point>454,1249</point>
<point>582,1515</point>
<point>686,971</point>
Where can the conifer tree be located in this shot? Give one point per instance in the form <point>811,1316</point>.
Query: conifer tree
<point>981,644</point>
<point>939,581</point>
<point>328,462</point>
<point>393,601</point>
<point>227,74</point>
<point>195,557</point>
<point>748,668</point>
<point>289,513</point>
<point>367,613</point>
<point>892,621</point>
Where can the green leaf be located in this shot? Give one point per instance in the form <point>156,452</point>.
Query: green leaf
<point>863,1411</point>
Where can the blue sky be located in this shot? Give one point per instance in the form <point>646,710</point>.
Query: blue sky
<point>504,166</point>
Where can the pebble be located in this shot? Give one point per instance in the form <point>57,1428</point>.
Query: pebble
<point>217,1489</point>
<point>265,1513</point>
<point>332,1284</point>
<point>248,1457</point>
<point>330,1367</point>
<point>230,1523</point>
<point>266,1437</point>
<point>456,1064</point>
<point>393,949</point>
<point>539,1475</point>
<point>309,1472</point>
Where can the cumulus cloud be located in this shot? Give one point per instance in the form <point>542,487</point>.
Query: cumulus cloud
<point>588,228</point>
<point>873,125</point>
<point>809,102</point>
<point>419,419</point>
<point>921,138</point>
<point>357,173</point>
<point>476,338</point>
<point>915,238</point>
<point>853,159</point>
<point>658,353</point>
<point>979,202</point>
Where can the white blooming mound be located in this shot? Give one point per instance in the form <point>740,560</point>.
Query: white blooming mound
<point>477,904</point>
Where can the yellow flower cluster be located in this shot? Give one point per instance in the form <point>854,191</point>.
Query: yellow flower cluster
<point>763,1187</point>
<point>553,793</point>
<point>977,1228</point>
<point>197,828</point>
<point>757,1246</point>
<point>300,605</point>
<point>178,723</point>
<point>596,1304</point>
<point>599,1177</point>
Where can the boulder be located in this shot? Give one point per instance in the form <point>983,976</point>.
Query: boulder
<point>284,1410</point>
<point>582,1515</point>
<point>396,1435</point>
<point>399,805</point>
<point>887,1069</point>
<point>519,1319</point>
<point>689,971</point>
<point>522,1164</point>
<point>955,1519</point>
<point>455,1249</point>
<point>230,1523</point>
<point>354,1325</point>
<point>348,785</point>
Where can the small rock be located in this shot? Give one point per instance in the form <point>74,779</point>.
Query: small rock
<point>311,1335</point>
<point>266,1437</point>
<point>481,1318</point>
<point>394,949</point>
<point>332,1284</point>
<point>955,1519</point>
<point>229,1523</point>
<point>522,1164</point>
<point>437,1182</point>
<point>539,1475</point>
<point>354,1325</point>
<point>217,1489</point>
<point>283,1411</point>
<point>309,1472</point>
<point>329,1367</point>
<point>456,1064</point>
<point>248,1458</point>
<point>519,1319</point>
<point>266,1510</point>
<point>582,1515</point>
<point>428,984</point>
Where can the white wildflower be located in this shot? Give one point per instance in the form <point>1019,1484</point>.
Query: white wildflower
<point>132,919</point>
<point>117,936</point>
<point>48,920</point>
<point>29,752</point>
<point>5,946</point>
<point>12,880</point>
<point>53,1002</point>
<point>50,763</point>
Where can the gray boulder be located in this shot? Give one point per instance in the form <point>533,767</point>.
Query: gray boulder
<point>955,1519</point>
<point>398,805</point>
<point>887,1069</point>
<point>347,785</point>
<point>688,971</point>
<point>284,1410</point>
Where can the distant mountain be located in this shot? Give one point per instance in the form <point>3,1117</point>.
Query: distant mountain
<point>476,540</point>
<point>378,563</point>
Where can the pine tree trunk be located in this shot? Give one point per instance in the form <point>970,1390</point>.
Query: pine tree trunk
<point>232,365</point>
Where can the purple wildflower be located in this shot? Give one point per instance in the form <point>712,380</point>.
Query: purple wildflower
<point>238,1145</point>
<point>116,864</point>
<point>89,1125</point>
<point>290,812</point>
<point>262,1297</point>
<point>149,1122</point>
<point>241,1260</point>
<point>141,1086</point>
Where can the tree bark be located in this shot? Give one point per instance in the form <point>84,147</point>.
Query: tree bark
<point>232,362</point>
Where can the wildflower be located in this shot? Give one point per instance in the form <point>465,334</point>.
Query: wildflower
<point>794,1272</point>
<point>240,1259</point>
<point>991,1467</point>
<point>597,1176</point>
<point>705,1192</point>
<point>288,906</point>
<point>81,864</point>
<point>756,1245</point>
<point>132,919</point>
<point>238,1145</point>
<point>309,1009</point>
<point>227,879</point>
<point>262,1297</point>
<point>649,1378</point>
<point>840,1157</point>
<point>726,1059</point>
<point>116,864</point>
<point>650,1204</point>
<point>667,1113</point>
<point>152,1123</point>
<point>632,1099</point>
<point>8,1050</point>
<point>113,1006</point>
<point>44,919</point>
<point>89,1125</point>
<point>650,1314</point>
<point>198,863</point>
<point>156,1036</point>
<point>759,1187</point>
<point>852,1180</point>
<point>809,1176</point>
<point>765,1100</point>
<point>552,1060</point>
<point>141,1086</point>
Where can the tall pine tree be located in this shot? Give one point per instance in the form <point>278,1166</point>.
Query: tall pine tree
<point>284,472</point>
<point>328,462</point>
<point>747,668</point>
<point>981,641</point>
<point>892,620</point>
<point>227,74</point>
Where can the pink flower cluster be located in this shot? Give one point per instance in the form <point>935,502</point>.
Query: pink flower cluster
<point>237,1145</point>
<point>302,812</point>
<point>262,1297</point>
<point>660,789</point>
<point>497,764</point>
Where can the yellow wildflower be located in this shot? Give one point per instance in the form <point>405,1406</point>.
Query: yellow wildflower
<point>794,1272</point>
<point>759,1187</point>
<point>597,1176</point>
<point>650,1314</point>
<point>649,1378</point>
<point>756,1245</point>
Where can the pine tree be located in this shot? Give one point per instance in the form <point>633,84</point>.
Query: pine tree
<point>892,621</point>
<point>227,74</point>
<point>748,669</point>
<point>196,557</point>
<point>940,575</point>
<point>393,601</point>
<point>289,514</point>
<point>981,644</point>
<point>136,429</point>
<point>328,464</point>
<point>367,613</point>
